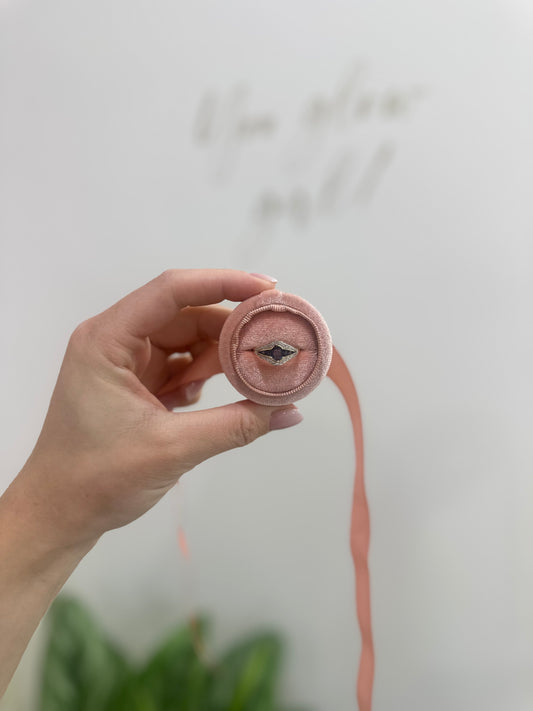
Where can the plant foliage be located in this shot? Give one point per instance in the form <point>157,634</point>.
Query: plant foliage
<point>84,671</point>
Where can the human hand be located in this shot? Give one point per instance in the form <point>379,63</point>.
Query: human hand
<point>109,448</point>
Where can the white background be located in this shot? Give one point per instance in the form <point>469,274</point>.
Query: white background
<point>137,136</point>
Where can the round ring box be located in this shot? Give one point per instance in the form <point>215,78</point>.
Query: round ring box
<point>275,348</point>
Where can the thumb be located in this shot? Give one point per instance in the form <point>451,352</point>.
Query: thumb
<point>205,433</point>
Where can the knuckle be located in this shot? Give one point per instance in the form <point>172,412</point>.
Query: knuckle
<point>171,452</point>
<point>82,334</point>
<point>247,429</point>
<point>87,339</point>
<point>169,276</point>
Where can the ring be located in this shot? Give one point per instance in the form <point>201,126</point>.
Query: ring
<point>276,352</point>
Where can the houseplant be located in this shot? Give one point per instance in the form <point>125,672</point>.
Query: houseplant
<point>84,670</point>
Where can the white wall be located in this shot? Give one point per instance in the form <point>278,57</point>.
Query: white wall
<point>383,171</point>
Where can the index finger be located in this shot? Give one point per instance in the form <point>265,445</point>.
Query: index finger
<point>155,304</point>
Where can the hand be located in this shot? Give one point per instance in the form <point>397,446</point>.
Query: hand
<point>109,448</point>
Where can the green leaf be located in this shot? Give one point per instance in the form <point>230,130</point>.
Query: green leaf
<point>81,668</point>
<point>175,678</point>
<point>246,678</point>
<point>132,696</point>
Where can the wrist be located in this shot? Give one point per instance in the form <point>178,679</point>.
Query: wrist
<point>33,545</point>
<point>34,565</point>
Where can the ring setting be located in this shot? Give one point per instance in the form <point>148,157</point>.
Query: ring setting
<point>276,352</point>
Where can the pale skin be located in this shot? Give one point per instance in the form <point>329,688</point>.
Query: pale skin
<point>110,448</point>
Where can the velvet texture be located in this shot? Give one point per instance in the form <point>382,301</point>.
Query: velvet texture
<point>257,322</point>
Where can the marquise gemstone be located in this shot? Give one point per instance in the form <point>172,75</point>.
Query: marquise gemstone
<point>277,352</point>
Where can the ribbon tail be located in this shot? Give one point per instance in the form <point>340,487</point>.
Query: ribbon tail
<point>359,533</point>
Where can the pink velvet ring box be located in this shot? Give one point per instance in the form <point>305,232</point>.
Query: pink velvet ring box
<point>275,348</point>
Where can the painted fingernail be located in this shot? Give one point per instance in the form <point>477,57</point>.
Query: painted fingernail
<point>192,389</point>
<point>280,419</point>
<point>265,277</point>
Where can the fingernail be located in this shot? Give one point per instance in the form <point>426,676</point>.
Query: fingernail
<point>192,389</point>
<point>280,419</point>
<point>265,277</point>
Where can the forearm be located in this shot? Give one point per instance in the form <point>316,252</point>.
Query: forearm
<point>34,565</point>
